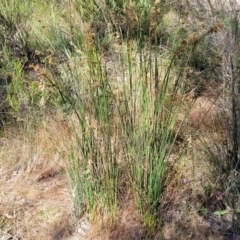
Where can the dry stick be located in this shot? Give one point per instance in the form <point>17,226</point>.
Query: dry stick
<point>234,117</point>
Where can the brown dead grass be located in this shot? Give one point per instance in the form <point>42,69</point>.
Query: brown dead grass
<point>128,225</point>
<point>185,200</point>
<point>181,209</point>
<point>34,195</point>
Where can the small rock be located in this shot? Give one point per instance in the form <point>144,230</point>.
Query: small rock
<point>7,236</point>
<point>84,227</point>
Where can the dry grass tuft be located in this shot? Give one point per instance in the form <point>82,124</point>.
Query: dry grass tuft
<point>128,225</point>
